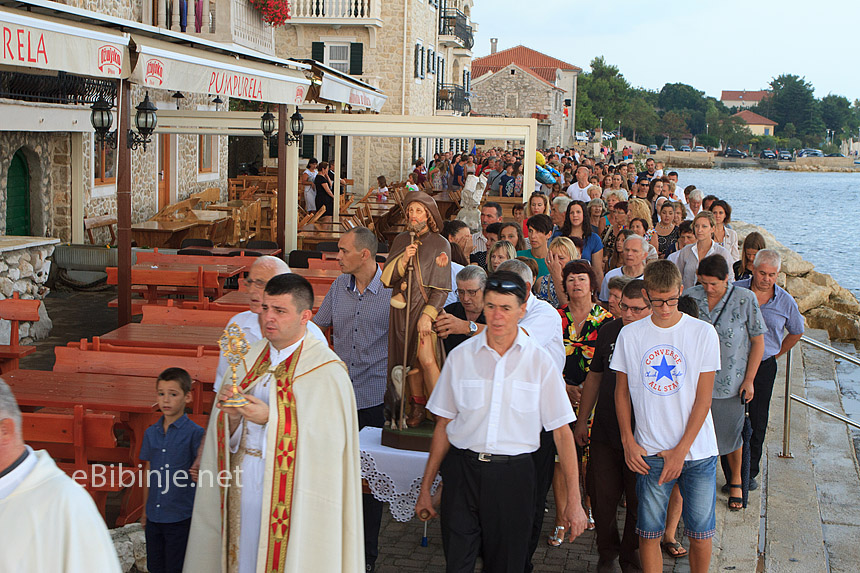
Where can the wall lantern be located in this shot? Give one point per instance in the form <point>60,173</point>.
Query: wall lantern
<point>101,118</point>
<point>145,120</point>
<point>297,126</point>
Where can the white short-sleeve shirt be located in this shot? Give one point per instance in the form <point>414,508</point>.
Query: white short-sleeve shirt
<point>499,404</point>
<point>663,367</point>
<point>543,323</point>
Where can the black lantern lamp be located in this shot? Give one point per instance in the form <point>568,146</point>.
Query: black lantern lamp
<point>178,96</point>
<point>145,120</point>
<point>217,101</point>
<point>101,118</point>
<point>267,126</point>
<point>297,126</point>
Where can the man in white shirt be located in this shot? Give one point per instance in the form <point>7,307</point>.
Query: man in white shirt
<point>491,212</point>
<point>494,395</point>
<point>694,203</point>
<point>665,369</point>
<point>635,256</point>
<point>47,521</point>
<point>263,269</point>
<point>578,191</point>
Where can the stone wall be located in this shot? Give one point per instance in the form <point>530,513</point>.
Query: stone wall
<point>25,271</point>
<point>130,544</point>
<point>824,303</point>
<point>127,9</point>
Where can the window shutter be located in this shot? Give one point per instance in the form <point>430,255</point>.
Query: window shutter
<point>356,59</point>
<point>307,150</point>
<point>417,70</point>
<point>469,81</point>
<point>431,60</point>
<point>423,60</point>
<point>318,52</point>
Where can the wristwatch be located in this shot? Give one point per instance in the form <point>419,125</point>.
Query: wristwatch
<point>473,328</point>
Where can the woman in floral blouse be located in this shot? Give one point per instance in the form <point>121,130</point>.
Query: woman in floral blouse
<point>581,318</point>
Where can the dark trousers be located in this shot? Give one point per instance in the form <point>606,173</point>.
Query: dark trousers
<point>165,545</point>
<point>487,509</point>
<point>759,409</point>
<point>544,462</point>
<point>372,507</point>
<point>607,478</point>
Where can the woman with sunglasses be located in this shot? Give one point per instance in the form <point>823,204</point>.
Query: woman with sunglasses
<point>735,314</point>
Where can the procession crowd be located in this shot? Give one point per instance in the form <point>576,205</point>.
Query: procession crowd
<point>603,340</point>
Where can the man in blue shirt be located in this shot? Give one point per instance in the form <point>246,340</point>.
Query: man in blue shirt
<point>356,307</point>
<point>169,447</point>
<point>780,314</point>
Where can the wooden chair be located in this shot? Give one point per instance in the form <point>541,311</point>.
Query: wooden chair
<point>178,211</point>
<point>98,222</point>
<point>316,216</point>
<point>222,231</point>
<point>15,310</point>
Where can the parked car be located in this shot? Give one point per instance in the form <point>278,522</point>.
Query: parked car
<point>581,136</point>
<point>732,152</point>
<point>668,148</point>
<point>784,155</point>
<point>835,155</point>
<point>808,152</point>
<point>767,154</point>
<point>652,149</point>
<point>699,149</point>
<point>685,148</point>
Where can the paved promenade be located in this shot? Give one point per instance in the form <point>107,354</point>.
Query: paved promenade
<point>805,518</point>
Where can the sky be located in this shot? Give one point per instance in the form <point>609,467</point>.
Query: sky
<point>713,46</point>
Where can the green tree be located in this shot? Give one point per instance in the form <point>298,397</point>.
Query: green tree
<point>641,119</point>
<point>836,112</point>
<point>676,97</point>
<point>672,125</point>
<point>793,100</point>
<point>603,92</point>
<point>789,130</point>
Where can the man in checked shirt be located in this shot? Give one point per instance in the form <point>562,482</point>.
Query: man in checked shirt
<point>356,307</point>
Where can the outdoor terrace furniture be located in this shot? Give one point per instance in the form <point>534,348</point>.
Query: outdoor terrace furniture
<point>161,233</point>
<point>174,315</point>
<point>161,336</point>
<point>99,222</point>
<point>15,310</point>
<point>165,276</point>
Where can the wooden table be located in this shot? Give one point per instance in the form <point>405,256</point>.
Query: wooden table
<point>446,204</point>
<point>225,251</point>
<point>224,271</point>
<point>243,299</point>
<point>210,216</point>
<point>161,336</point>
<point>161,233</point>
<point>311,239</point>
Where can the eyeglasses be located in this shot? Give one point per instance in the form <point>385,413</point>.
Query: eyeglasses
<point>249,282</point>
<point>468,291</point>
<point>633,309</point>
<point>504,286</point>
<point>658,302</point>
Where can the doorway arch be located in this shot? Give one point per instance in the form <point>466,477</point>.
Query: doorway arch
<point>18,196</point>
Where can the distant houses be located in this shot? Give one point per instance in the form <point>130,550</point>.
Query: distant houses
<point>743,98</point>
<point>758,124</point>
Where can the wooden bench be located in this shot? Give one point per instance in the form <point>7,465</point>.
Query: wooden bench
<point>146,257</point>
<point>98,345</point>
<point>98,222</point>
<point>75,440</point>
<point>15,310</point>
<point>152,279</point>
<point>202,369</point>
<point>171,315</point>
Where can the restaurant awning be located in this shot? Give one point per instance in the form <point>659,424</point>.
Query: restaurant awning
<point>172,67</point>
<point>338,87</point>
<point>45,43</point>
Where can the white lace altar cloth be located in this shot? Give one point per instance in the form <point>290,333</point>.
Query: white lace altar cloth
<point>393,475</point>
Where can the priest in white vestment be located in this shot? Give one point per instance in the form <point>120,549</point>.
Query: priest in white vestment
<point>294,502</point>
<point>47,521</point>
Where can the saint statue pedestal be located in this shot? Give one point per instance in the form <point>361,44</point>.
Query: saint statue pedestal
<point>415,439</point>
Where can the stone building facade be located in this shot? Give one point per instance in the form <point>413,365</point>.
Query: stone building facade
<point>517,92</point>
<point>397,47</point>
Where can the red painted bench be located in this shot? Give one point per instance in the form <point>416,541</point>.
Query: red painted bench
<point>173,315</point>
<point>16,310</point>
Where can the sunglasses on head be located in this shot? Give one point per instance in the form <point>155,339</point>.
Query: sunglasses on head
<point>505,286</point>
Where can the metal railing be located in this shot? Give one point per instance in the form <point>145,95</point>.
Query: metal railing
<point>226,21</point>
<point>63,88</point>
<point>453,22</point>
<point>451,97</point>
<point>786,427</point>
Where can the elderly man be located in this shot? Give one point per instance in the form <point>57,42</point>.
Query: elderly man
<point>694,203</point>
<point>488,422</point>
<point>47,521</point>
<point>263,269</point>
<point>635,254</point>
<point>491,212</point>
<point>559,212</point>
<point>356,307</point>
<point>578,191</point>
<point>462,320</point>
<point>780,315</point>
<point>429,253</point>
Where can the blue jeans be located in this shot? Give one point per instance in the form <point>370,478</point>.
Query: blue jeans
<point>698,485</point>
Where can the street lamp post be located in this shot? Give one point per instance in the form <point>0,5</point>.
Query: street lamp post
<point>601,129</point>
<point>706,129</point>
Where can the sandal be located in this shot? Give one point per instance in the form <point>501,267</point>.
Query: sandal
<point>557,538</point>
<point>735,503</point>
<point>673,549</point>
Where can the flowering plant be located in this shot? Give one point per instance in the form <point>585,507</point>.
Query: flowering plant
<point>275,12</point>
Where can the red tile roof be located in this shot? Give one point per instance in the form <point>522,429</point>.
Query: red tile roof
<point>744,95</point>
<point>753,118</point>
<point>478,72</point>
<point>539,63</point>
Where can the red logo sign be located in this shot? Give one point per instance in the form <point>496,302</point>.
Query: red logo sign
<point>20,44</point>
<point>154,72</point>
<point>236,85</point>
<point>300,94</point>
<point>110,60</point>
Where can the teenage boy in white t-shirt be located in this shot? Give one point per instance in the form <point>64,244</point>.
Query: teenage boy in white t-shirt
<point>665,368</point>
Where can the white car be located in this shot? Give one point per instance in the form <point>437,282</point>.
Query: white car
<point>581,136</point>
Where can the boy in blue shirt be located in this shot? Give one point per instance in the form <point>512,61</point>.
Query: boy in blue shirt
<point>169,448</point>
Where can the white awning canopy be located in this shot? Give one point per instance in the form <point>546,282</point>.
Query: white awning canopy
<point>172,67</point>
<point>44,43</point>
<point>336,89</point>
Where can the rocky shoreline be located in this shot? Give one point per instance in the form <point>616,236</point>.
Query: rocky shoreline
<point>823,301</point>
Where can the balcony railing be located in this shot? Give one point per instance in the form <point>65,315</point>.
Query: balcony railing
<point>226,21</point>
<point>452,97</point>
<point>454,23</point>
<point>343,12</point>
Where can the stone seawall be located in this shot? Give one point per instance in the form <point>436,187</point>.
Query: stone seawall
<point>823,301</point>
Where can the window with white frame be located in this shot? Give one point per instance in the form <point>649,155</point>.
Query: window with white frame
<point>337,57</point>
<point>206,154</point>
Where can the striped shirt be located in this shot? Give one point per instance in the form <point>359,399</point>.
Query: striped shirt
<point>360,337</point>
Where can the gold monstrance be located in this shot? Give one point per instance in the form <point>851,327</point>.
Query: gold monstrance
<point>234,347</point>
